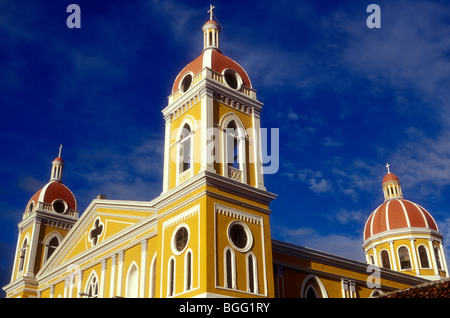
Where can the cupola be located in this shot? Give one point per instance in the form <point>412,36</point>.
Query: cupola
<point>211,30</point>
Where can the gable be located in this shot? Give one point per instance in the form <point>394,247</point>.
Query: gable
<point>101,223</point>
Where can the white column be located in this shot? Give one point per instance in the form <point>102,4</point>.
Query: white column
<point>113,275</point>
<point>433,257</point>
<point>393,257</point>
<point>375,256</point>
<point>31,257</point>
<point>103,279</point>
<point>207,110</point>
<point>167,154</point>
<point>143,271</point>
<point>257,149</point>
<point>414,256</point>
<point>120,274</point>
<point>444,261</point>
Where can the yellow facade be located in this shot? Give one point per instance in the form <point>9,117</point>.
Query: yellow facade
<point>206,235</point>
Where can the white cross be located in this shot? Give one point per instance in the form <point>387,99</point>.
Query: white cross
<point>60,147</point>
<point>387,167</point>
<point>210,11</point>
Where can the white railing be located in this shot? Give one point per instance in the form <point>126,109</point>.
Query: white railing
<point>234,174</point>
<point>184,176</point>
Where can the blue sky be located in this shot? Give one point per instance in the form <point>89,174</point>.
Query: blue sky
<point>346,99</point>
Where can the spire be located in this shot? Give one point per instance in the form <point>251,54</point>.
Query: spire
<point>211,30</point>
<point>57,167</point>
<point>391,185</point>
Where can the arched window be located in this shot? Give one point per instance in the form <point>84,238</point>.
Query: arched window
<point>252,274</point>
<point>185,150</point>
<point>311,293</point>
<point>385,259</point>
<point>132,282</point>
<point>22,255</point>
<point>92,286</point>
<point>234,149</point>
<point>423,256</point>
<point>438,258</point>
<point>230,269</point>
<point>405,260</point>
<point>171,278</point>
<point>188,271</point>
<point>232,145</point>
<point>51,246</point>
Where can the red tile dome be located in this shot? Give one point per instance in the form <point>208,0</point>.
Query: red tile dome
<point>52,191</point>
<point>217,62</point>
<point>390,177</point>
<point>396,214</point>
<point>212,58</point>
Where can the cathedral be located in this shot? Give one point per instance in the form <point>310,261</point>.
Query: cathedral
<point>207,234</point>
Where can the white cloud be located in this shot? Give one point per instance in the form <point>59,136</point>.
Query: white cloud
<point>337,244</point>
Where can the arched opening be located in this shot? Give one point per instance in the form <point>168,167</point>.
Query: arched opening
<point>132,282</point>
<point>423,257</point>
<point>385,261</point>
<point>404,257</point>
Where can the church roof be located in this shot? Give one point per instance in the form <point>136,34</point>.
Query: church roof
<point>397,214</point>
<point>215,60</point>
<point>52,191</point>
<point>434,289</point>
<point>390,177</point>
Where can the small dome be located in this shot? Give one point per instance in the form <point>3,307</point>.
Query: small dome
<point>215,61</point>
<point>397,214</point>
<point>54,191</point>
<point>390,177</point>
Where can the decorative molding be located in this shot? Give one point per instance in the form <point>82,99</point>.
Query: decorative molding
<point>239,215</point>
<point>181,217</point>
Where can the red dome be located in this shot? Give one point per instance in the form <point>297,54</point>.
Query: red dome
<point>397,214</point>
<point>52,191</point>
<point>215,60</point>
<point>390,177</point>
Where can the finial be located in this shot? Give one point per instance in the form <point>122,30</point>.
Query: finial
<point>387,167</point>
<point>59,154</point>
<point>210,11</point>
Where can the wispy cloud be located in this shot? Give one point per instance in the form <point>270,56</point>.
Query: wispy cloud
<point>338,244</point>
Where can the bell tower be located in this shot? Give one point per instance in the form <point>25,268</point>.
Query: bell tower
<point>49,215</point>
<point>218,232</point>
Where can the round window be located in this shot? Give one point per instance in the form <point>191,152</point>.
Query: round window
<point>59,206</point>
<point>240,236</point>
<point>180,239</point>
<point>186,83</point>
<point>232,79</point>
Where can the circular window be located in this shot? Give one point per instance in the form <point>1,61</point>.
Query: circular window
<point>180,239</point>
<point>232,79</point>
<point>186,83</point>
<point>59,206</point>
<point>240,236</point>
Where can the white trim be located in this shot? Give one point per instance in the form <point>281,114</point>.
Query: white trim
<point>172,239</point>
<point>134,289</point>
<point>317,280</point>
<point>248,232</point>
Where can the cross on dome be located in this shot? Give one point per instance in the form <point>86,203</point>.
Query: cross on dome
<point>387,167</point>
<point>59,154</point>
<point>210,11</point>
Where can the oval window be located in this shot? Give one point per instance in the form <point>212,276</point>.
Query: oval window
<point>180,239</point>
<point>59,206</point>
<point>240,236</point>
<point>186,83</point>
<point>232,79</point>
